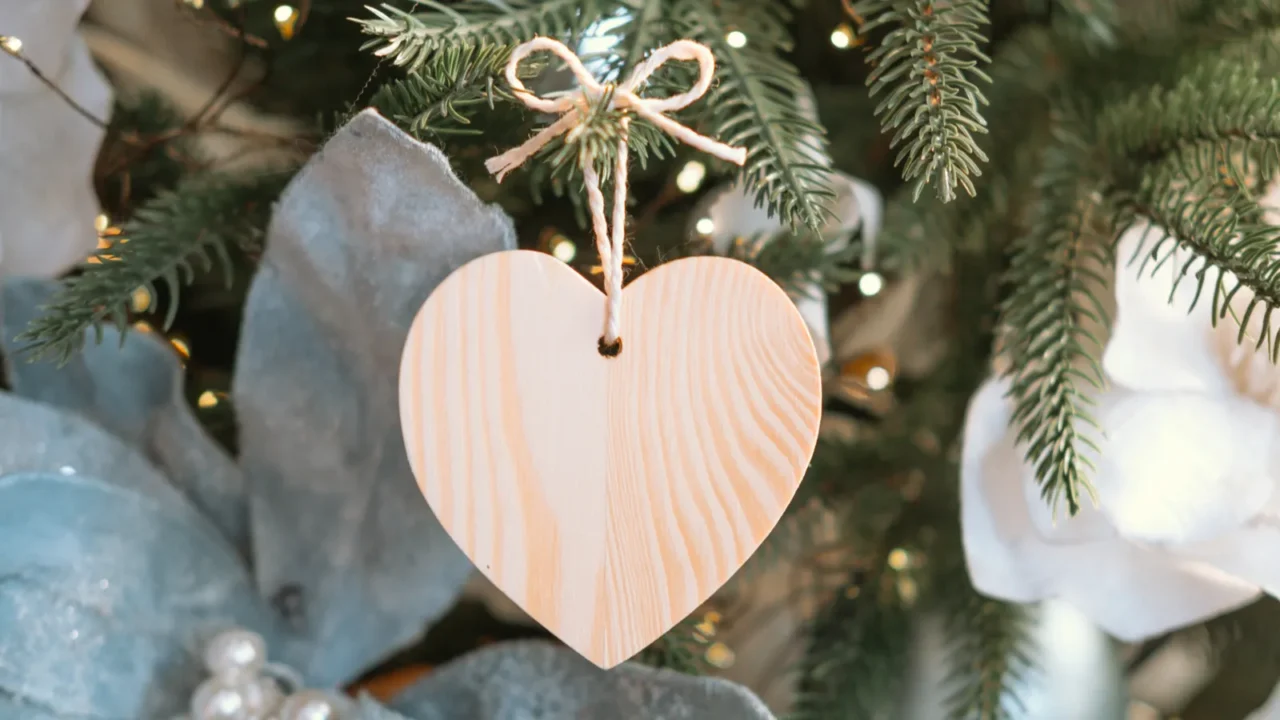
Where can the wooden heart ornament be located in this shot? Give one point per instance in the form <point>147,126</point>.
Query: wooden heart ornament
<point>608,496</point>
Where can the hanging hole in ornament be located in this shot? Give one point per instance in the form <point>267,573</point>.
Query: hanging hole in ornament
<point>609,349</point>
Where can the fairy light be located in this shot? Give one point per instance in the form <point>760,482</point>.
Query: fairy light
<point>720,655</point>
<point>101,223</point>
<point>736,39</point>
<point>11,45</point>
<point>286,19</point>
<point>691,176</point>
<point>878,378</point>
<point>705,226</point>
<point>181,346</point>
<point>143,326</point>
<point>842,37</point>
<point>194,4</point>
<point>899,559</point>
<point>870,284</point>
<point>208,399</point>
<point>563,249</point>
<point>140,300</point>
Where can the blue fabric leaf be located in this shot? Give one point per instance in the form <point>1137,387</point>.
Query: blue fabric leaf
<point>342,539</point>
<point>134,391</point>
<point>107,596</point>
<point>536,680</point>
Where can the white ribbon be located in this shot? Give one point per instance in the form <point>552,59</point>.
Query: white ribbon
<point>573,107</point>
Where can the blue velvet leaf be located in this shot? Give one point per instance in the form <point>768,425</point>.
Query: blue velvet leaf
<point>107,596</point>
<point>342,539</point>
<point>134,391</point>
<point>535,680</point>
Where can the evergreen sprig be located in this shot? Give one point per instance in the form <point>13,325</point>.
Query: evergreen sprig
<point>1051,315</point>
<point>926,70</point>
<point>646,27</point>
<point>1237,247</point>
<point>857,656</point>
<point>756,103</point>
<point>991,651</point>
<point>437,99</point>
<point>411,39</point>
<point>192,226</point>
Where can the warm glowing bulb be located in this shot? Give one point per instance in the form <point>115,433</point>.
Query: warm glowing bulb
<point>736,39</point>
<point>705,226</point>
<point>141,299</point>
<point>11,44</point>
<point>181,346</point>
<point>286,17</point>
<point>720,655</point>
<point>870,284</point>
<point>101,223</point>
<point>878,378</point>
<point>207,399</point>
<point>899,559</point>
<point>842,37</point>
<point>691,176</point>
<point>564,250</point>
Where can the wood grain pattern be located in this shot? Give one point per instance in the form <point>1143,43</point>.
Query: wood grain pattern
<point>608,497</point>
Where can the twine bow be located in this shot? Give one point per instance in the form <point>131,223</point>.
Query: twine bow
<point>573,107</point>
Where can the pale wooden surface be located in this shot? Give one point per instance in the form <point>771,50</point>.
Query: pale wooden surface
<point>608,497</point>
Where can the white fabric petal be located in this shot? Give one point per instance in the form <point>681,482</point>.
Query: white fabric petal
<point>1130,591</point>
<point>993,513</point>
<point>47,153</point>
<point>1135,593</point>
<point>1182,467</point>
<point>46,29</point>
<point>1156,343</point>
<point>1251,554</point>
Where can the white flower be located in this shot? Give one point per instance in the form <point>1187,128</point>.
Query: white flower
<point>731,213</point>
<point>47,150</point>
<point>1188,522</point>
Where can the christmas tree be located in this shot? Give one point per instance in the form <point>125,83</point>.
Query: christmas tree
<point>1042,349</point>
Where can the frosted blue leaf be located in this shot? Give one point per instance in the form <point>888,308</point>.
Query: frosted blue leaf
<point>342,539</point>
<point>134,391</point>
<point>108,595</point>
<point>535,680</point>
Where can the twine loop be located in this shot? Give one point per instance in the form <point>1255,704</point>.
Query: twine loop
<point>573,108</point>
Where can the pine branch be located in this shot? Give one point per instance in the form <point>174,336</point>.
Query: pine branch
<point>438,98</point>
<point>1237,246</point>
<point>1091,22</point>
<point>925,69</point>
<point>798,261</point>
<point>646,29</point>
<point>756,104</point>
<point>923,234</point>
<point>1054,276</point>
<point>991,653</point>
<point>856,658</point>
<point>411,39</point>
<point>167,239</point>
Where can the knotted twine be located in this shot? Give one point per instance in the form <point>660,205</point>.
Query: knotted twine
<point>574,107</point>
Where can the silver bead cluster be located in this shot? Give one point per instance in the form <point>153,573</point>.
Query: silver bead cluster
<point>244,686</point>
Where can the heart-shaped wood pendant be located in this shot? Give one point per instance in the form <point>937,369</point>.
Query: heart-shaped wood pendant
<point>608,496</point>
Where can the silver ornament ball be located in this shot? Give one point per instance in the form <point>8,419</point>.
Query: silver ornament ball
<point>245,698</point>
<point>310,705</point>
<point>236,652</point>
